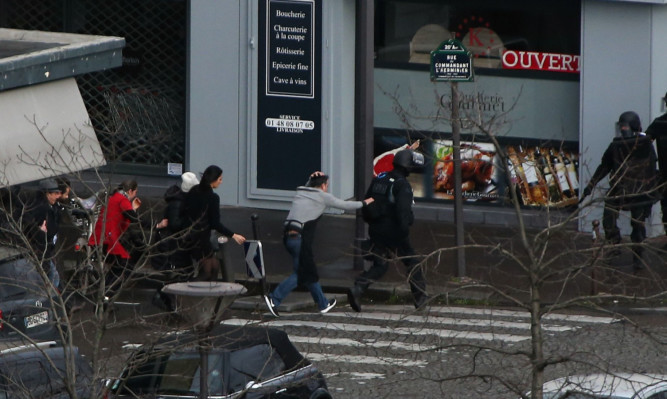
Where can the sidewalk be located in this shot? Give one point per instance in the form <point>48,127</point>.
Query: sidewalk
<point>334,255</point>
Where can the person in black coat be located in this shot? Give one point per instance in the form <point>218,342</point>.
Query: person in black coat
<point>172,249</point>
<point>630,162</point>
<point>42,224</point>
<point>202,211</point>
<point>657,131</point>
<point>389,218</point>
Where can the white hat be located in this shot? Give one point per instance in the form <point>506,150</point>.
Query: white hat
<point>188,180</point>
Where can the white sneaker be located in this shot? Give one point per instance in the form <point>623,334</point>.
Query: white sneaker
<point>332,303</point>
<point>271,306</point>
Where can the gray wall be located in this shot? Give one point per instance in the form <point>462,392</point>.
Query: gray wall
<point>214,86</point>
<point>618,41</point>
<point>222,107</point>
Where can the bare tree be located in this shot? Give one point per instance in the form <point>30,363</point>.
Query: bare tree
<point>552,268</point>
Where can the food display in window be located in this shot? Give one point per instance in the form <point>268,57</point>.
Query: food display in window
<point>478,173</point>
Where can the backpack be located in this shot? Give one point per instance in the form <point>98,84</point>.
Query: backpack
<point>382,191</point>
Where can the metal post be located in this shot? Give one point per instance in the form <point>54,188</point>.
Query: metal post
<point>458,182</point>
<point>363,116</point>
<point>596,241</point>
<point>203,365</point>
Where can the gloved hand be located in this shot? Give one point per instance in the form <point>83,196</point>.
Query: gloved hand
<point>586,193</point>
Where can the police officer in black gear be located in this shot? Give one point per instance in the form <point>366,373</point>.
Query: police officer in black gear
<point>389,219</point>
<point>657,131</point>
<point>630,162</point>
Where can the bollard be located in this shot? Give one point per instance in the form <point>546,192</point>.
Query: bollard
<point>597,240</point>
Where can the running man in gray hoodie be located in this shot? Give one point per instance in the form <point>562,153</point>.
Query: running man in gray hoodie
<point>299,233</point>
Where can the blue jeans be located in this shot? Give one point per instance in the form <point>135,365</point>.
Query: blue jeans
<point>53,274</point>
<point>293,246</point>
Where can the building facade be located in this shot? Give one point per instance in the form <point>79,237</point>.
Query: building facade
<point>266,90</point>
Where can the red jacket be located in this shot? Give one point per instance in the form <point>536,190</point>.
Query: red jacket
<point>113,223</point>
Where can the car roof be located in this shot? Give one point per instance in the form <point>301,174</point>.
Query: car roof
<point>232,338</point>
<point>612,384</point>
<point>7,253</point>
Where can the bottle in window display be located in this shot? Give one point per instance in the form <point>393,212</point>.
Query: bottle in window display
<point>561,174</point>
<point>515,182</point>
<point>572,177</point>
<point>532,178</point>
<point>552,186</point>
<point>523,188</point>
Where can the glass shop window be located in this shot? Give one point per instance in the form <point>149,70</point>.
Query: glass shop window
<point>407,31</point>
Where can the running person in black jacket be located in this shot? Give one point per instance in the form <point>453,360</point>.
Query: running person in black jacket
<point>630,163</point>
<point>389,219</point>
<point>657,131</point>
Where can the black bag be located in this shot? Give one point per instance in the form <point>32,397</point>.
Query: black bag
<point>381,190</point>
<point>160,259</point>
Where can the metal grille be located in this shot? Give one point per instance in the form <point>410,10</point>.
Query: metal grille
<point>137,110</point>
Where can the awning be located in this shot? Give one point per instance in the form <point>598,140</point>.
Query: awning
<point>45,131</point>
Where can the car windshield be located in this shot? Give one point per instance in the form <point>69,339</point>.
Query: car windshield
<point>18,276</point>
<point>178,372</point>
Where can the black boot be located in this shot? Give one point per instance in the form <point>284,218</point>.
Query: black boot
<point>354,297</point>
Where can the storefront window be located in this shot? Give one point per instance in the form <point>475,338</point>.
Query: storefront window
<point>406,31</point>
<point>525,93</point>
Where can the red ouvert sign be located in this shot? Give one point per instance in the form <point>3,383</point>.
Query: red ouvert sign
<point>553,62</point>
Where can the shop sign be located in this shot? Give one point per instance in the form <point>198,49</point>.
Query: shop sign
<point>451,62</point>
<point>289,104</point>
<point>552,62</point>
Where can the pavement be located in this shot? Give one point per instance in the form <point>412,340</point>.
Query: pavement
<point>495,264</point>
<point>497,259</point>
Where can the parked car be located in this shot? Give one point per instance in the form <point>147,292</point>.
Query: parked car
<point>41,371</point>
<point>248,362</point>
<point>616,386</point>
<point>25,304</point>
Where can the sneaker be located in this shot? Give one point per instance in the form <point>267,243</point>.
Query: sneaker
<point>353,299</point>
<point>271,306</point>
<point>332,303</point>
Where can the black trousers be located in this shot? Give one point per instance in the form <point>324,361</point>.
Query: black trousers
<point>638,215</point>
<point>383,252</point>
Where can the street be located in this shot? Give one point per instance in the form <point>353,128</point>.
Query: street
<point>444,352</point>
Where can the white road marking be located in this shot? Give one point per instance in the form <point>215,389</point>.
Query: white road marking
<point>495,313</point>
<point>450,334</point>
<point>382,360</point>
<point>362,344</point>
<point>481,323</point>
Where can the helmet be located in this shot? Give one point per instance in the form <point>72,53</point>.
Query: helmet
<point>628,124</point>
<point>408,159</point>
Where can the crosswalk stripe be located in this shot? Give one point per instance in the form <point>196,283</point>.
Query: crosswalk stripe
<point>394,345</point>
<point>481,323</point>
<point>495,313</point>
<point>347,359</point>
<point>470,335</point>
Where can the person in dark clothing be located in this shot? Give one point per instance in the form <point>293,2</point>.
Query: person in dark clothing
<point>630,162</point>
<point>309,204</point>
<point>657,131</point>
<point>389,219</point>
<point>172,227</point>
<point>202,211</point>
<point>172,252</point>
<point>42,224</point>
